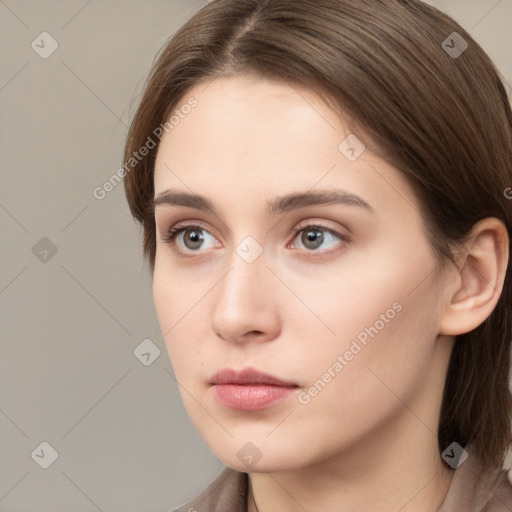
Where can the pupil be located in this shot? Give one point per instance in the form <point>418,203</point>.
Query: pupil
<point>315,236</point>
<point>195,238</point>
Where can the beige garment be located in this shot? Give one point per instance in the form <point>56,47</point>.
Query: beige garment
<point>469,492</point>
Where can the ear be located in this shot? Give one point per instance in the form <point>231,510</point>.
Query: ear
<point>476,283</point>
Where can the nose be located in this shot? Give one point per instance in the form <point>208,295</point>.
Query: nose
<point>247,307</point>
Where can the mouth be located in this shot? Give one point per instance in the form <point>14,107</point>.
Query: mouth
<point>249,389</point>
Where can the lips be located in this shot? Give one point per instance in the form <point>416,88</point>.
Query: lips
<point>249,389</point>
<point>248,376</point>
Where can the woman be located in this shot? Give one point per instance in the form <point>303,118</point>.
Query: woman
<point>325,210</point>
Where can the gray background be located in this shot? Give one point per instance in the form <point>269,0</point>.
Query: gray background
<point>72,320</point>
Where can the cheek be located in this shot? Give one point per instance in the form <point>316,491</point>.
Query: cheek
<point>389,351</point>
<point>163,298</point>
<point>174,295</point>
<point>358,292</point>
<point>178,309</point>
<point>382,365</point>
<point>383,314</point>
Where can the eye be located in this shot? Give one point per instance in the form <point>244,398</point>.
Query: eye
<point>314,236</point>
<point>190,236</point>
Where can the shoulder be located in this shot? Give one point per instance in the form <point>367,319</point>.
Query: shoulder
<point>227,493</point>
<point>501,496</point>
<point>474,489</point>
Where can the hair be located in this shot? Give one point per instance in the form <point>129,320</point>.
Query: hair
<point>444,121</point>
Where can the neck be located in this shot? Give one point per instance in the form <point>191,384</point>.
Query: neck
<point>390,472</point>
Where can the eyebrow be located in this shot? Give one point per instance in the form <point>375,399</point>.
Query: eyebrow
<point>276,206</point>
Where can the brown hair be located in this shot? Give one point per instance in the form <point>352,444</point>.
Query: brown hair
<point>442,119</point>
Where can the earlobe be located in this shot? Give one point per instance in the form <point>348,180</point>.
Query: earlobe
<point>479,278</point>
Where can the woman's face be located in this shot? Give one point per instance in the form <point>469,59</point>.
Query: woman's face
<point>336,296</point>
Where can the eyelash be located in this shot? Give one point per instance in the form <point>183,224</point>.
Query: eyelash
<point>174,231</point>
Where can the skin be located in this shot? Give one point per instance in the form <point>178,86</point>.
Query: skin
<point>369,436</point>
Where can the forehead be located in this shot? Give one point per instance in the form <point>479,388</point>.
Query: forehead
<point>267,125</point>
<point>251,90</point>
<point>248,140</point>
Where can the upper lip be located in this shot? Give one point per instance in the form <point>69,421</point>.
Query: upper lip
<point>248,376</point>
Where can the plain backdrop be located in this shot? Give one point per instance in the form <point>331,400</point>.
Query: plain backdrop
<point>76,393</point>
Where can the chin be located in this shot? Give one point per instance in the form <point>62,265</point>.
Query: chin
<point>270,466</point>
<point>261,455</point>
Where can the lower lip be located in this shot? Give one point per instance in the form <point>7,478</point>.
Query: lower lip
<point>250,397</point>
